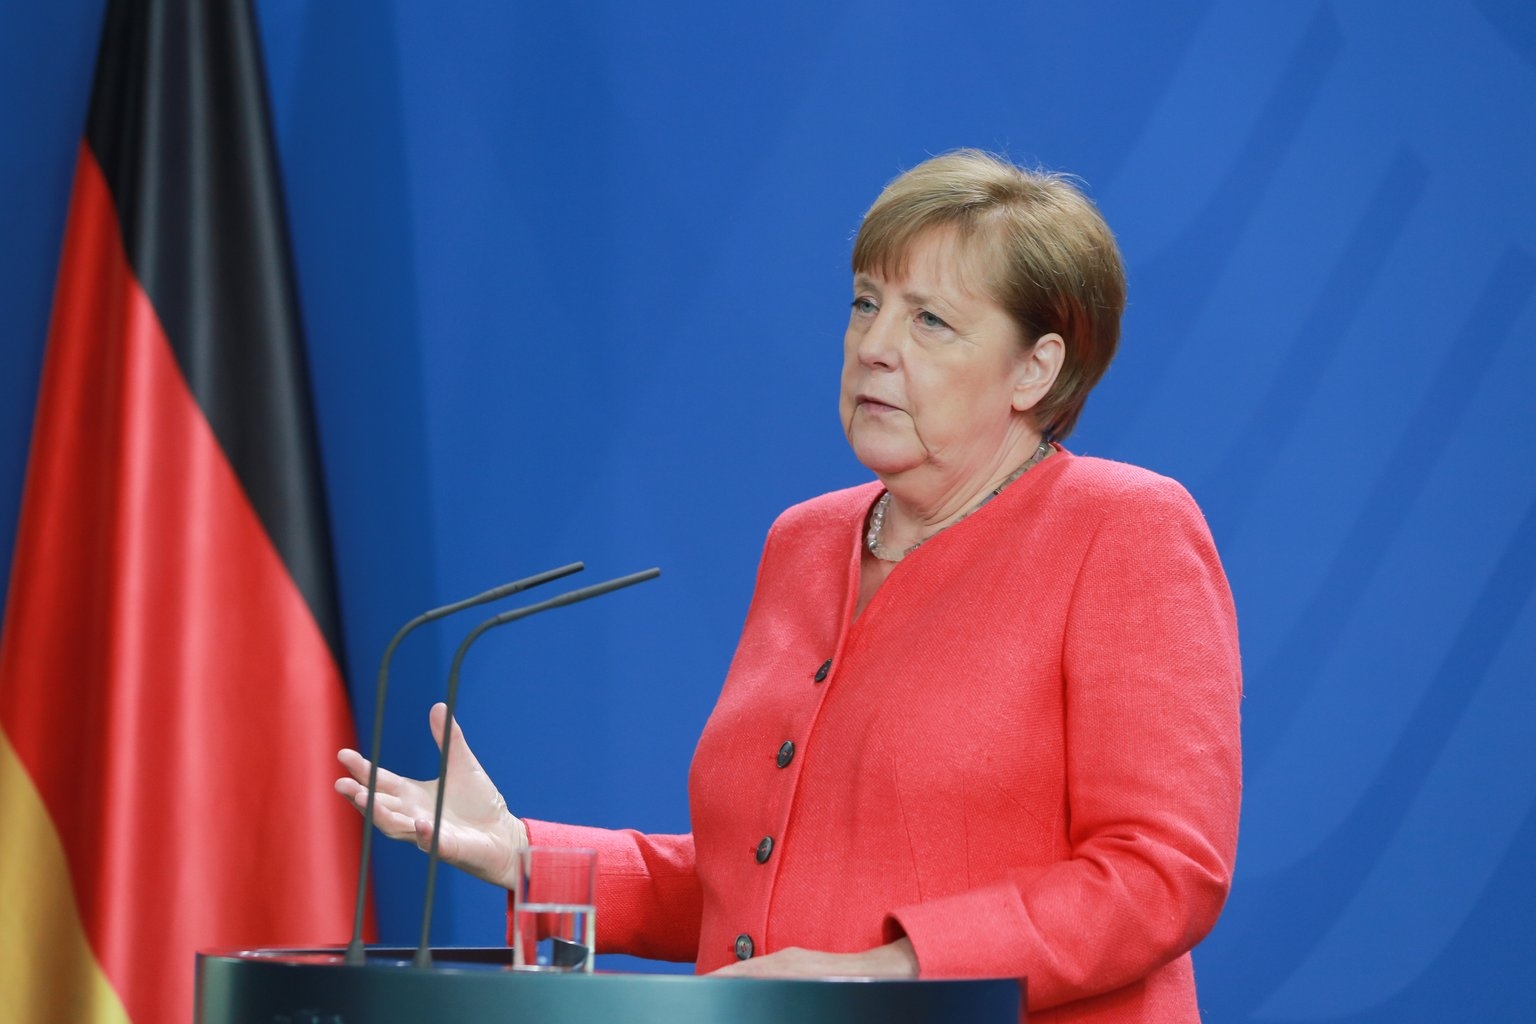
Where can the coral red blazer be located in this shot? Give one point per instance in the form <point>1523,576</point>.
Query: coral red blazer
<point>1023,754</point>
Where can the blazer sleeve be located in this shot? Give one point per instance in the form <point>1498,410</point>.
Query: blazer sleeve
<point>1152,685</point>
<point>648,896</point>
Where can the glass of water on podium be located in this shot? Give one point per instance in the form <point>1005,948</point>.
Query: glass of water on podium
<point>553,918</point>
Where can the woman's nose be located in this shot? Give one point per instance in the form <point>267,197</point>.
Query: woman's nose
<point>879,345</point>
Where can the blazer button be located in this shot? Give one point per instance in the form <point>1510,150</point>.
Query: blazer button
<point>743,946</point>
<point>821,673</point>
<point>765,849</point>
<point>786,753</point>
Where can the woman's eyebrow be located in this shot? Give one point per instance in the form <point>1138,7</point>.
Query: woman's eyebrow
<point>930,301</point>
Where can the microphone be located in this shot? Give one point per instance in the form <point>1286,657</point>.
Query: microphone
<point>423,956</point>
<point>355,947</point>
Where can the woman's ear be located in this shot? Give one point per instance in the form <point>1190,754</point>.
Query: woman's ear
<point>1038,369</point>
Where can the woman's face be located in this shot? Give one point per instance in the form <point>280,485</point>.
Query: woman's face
<point>935,373</point>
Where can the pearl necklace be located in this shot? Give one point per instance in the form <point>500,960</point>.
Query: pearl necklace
<point>877,517</point>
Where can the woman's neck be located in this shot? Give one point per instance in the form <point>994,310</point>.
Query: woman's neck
<point>923,504</point>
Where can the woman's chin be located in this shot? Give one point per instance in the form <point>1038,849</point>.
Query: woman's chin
<point>884,460</point>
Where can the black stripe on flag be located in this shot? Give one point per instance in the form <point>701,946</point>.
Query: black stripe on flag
<point>185,144</point>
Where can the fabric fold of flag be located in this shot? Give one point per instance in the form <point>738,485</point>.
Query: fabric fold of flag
<point>171,693</point>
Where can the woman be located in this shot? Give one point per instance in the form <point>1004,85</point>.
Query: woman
<point>983,717</point>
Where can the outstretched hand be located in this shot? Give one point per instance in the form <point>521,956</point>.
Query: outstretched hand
<point>479,834</point>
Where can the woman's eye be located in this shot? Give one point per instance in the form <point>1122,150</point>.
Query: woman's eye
<point>927,319</point>
<point>865,305</point>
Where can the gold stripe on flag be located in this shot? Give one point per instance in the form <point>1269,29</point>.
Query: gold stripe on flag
<point>48,971</point>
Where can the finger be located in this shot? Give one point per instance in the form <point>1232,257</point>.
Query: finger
<point>349,788</point>
<point>355,764</point>
<point>358,795</point>
<point>739,969</point>
<point>389,816</point>
<point>459,754</point>
<point>394,824</point>
<point>390,813</point>
<point>358,766</point>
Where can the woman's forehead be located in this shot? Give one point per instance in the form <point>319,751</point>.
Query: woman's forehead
<point>939,258</point>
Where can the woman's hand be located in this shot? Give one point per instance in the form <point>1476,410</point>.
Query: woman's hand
<point>896,960</point>
<point>479,834</point>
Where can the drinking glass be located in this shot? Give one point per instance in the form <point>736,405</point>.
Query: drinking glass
<point>553,917</point>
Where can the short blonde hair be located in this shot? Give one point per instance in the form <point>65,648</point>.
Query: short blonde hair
<point>1048,257</point>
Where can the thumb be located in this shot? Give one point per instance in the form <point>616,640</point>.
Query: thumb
<point>424,837</point>
<point>458,748</point>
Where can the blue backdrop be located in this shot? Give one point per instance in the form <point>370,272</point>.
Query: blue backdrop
<point>575,282</point>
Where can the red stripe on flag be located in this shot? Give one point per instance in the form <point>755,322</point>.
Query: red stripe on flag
<point>161,677</point>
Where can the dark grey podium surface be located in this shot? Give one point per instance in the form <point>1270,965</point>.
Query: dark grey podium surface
<point>316,987</point>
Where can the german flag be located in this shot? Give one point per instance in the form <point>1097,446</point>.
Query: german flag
<point>171,695</point>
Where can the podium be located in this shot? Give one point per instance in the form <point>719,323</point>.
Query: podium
<point>315,986</point>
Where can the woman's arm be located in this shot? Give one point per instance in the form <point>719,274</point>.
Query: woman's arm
<point>648,898</point>
<point>647,891</point>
